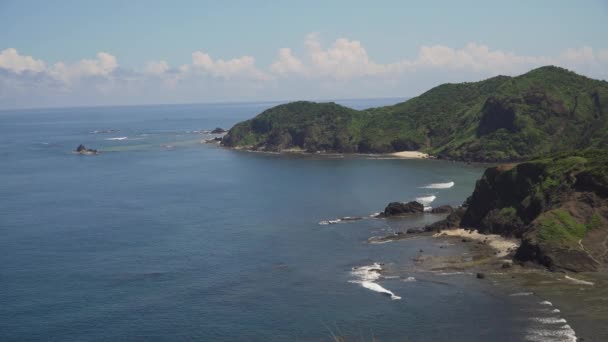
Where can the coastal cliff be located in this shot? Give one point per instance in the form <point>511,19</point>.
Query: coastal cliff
<point>501,119</point>
<point>557,206</point>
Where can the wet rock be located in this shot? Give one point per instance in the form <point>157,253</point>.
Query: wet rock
<point>400,208</point>
<point>81,149</point>
<point>480,275</point>
<point>452,221</point>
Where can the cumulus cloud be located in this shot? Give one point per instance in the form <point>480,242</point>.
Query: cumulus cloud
<point>347,59</point>
<point>287,63</point>
<point>11,60</point>
<point>102,66</point>
<point>343,68</point>
<point>156,68</point>
<point>242,67</point>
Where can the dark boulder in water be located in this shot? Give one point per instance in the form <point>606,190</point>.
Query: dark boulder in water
<point>400,208</point>
<point>218,130</point>
<point>81,149</point>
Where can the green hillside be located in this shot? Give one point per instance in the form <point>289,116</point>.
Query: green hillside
<point>548,109</point>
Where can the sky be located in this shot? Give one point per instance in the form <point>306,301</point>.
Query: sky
<point>89,53</point>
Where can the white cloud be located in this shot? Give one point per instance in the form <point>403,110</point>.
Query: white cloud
<point>347,59</point>
<point>242,67</point>
<point>344,68</point>
<point>11,60</point>
<point>344,59</point>
<point>102,66</point>
<point>287,63</point>
<point>156,68</point>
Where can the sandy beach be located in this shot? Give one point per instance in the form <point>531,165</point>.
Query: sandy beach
<point>410,155</point>
<point>502,245</point>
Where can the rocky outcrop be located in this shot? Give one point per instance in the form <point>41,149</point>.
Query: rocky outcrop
<point>557,206</point>
<point>452,221</point>
<point>218,130</point>
<point>81,149</point>
<point>400,208</point>
<point>443,209</point>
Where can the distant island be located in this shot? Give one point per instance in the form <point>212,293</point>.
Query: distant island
<point>546,110</point>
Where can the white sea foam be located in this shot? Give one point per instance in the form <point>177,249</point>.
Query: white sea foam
<point>326,222</point>
<point>379,242</point>
<point>563,334</point>
<point>438,185</point>
<point>375,214</point>
<point>409,280</point>
<point>118,138</point>
<point>555,311</point>
<point>549,320</point>
<point>578,281</point>
<point>546,302</point>
<point>428,208</point>
<point>426,199</point>
<point>367,276</point>
<point>519,294</point>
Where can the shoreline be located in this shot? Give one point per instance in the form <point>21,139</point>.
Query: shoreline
<point>415,155</point>
<point>577,299</point>
<point>301,152</point>
<point>411,155</point>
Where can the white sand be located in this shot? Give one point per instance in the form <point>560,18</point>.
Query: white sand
<point>410,154</point>
<point>499,243</point>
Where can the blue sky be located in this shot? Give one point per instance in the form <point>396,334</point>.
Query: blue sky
<point>64,53</point>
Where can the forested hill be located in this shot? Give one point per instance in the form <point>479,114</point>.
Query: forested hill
<point>503,118</point>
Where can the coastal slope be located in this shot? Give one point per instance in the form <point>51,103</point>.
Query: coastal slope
<point>557,206</point>
<point>503,118</point>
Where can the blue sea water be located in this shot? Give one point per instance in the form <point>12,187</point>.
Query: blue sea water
<point>161,237</point>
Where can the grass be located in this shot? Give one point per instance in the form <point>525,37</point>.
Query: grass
<point>559,227</point>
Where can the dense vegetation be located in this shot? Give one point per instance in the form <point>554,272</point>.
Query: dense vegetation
<point>546,110</point>
<point>557,204</point>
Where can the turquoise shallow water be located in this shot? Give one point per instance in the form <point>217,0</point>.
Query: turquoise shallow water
<point>163,238</point>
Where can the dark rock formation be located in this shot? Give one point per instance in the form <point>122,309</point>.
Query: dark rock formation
<point>415,231</point>
<point>400,208</point>
<point>444,209</point>
<point>218,130</point>
<point>452,221</point>
<point>215,140</point>
<point>81,149</point>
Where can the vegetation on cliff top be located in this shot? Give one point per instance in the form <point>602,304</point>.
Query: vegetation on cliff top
<point>557,204</point>
<point>546,110</point>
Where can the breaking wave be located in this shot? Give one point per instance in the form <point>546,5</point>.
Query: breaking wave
<point>439,185</point>
<point>367,276</point>
<point>426,199</point>
<point>578,281</point>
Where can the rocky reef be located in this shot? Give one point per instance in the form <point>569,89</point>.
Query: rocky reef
<point>557,206</point>
<point>81,149</point>
<point>401,208</point>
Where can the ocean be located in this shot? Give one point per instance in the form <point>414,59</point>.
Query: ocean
<point>161,237</point>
